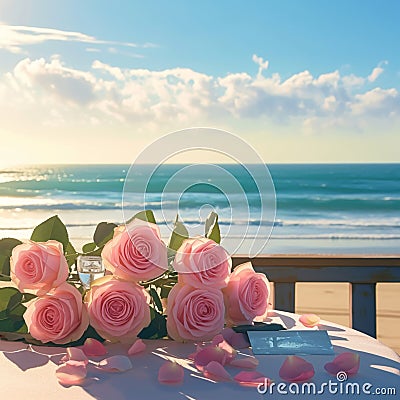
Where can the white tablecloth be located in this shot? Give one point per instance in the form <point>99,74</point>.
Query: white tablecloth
<point>30,373</point>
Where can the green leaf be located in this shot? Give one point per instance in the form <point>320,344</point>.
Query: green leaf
<point>212,228</point>
<point>11,310</point>
<point>89,333</point>
<point>17,312</point>
<point>145,215</point>
<point>165,291</point>
<point>6,246</point>
<point>88,247</point>
<point>156,298</point>
<point>27,297</point>
<point>157,328</point>
<point>70,254</point>
<point>7,295</point>
<point>178,235</point>
<point>11,325</point>
<point>51,229</point>
<point>23,329</point>
<point>15,299</point>
<point>96,252</point>
<point>103,233</point>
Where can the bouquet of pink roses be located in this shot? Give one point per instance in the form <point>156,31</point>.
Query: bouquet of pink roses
<point>186,290</point>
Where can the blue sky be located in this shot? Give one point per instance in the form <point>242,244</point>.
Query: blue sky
<point>282,74</point>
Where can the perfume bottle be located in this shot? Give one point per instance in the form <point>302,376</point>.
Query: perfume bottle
<point>89,269</point>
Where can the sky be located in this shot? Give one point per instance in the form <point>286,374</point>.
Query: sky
<point>300,81</point>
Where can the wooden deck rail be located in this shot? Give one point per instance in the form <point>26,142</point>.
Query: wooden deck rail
<point>362,272</point>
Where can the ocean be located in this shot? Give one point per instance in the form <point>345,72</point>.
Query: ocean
<point>320,208</point>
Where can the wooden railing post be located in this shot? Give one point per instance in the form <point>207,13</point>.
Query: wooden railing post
<point>285,296</point>
<point>363,307</point>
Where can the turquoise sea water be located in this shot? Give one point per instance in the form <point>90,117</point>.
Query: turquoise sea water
<point>320,208</point>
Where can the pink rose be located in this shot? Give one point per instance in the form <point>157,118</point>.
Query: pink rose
<point>136,252</point>
<point>194,314</point>
<point>202,262</point>
<point>118,310</point>
<point>38,267</point>
<point>246,296</point>
<point>59,316</point>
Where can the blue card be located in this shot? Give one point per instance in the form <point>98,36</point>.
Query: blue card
<point>290,342</point>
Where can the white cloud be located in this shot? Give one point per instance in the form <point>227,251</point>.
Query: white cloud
<point>56,80</point>
<point>113,71</point>
<point>140,97</point>
<point>262,65</point>
<point>377,102</point>
<point>353,80</point>
<point>376,72</point>
<point>14,38</point>
<point>330,103</point>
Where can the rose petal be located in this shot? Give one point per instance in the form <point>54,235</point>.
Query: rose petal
<point>215,371</point>
<point>251,379</point>
<point>93,347</point>
<point>347,362</point>
<point>226,333</point>
<point>217,339</point>
<point>115,364</point>
<point>332,368</point>
<point>170,373</point>
<point>235,339</point>
<point>310,320</point>
<point>137,347</point>
<point>208,354</point>
<point>199,346</point>
<point>296,369</point>
<point>230,351</point>
<point>240,341</point>
<point>75,354</point>
<point>71,373</point>
<point>247,363</point>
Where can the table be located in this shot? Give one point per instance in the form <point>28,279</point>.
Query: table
<point>30,374</point>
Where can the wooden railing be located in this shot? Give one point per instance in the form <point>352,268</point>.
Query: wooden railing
<point>362,272</point>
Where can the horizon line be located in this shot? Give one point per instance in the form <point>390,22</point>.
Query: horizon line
<point>43,164</point>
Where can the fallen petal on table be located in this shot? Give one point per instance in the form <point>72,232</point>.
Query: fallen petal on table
<point>251,379</point>
<point>347,362</point>
<point>75,354</point>
<point>171,373</point>
<point>137,347</point>
<point>215,371</point>
<point>208,354</point>
<point>296,369</point>
<point>93,347</point>
<point>115,364</point>
<point>235,339</point>
<point>71,373</point>
<point>310,320</point>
